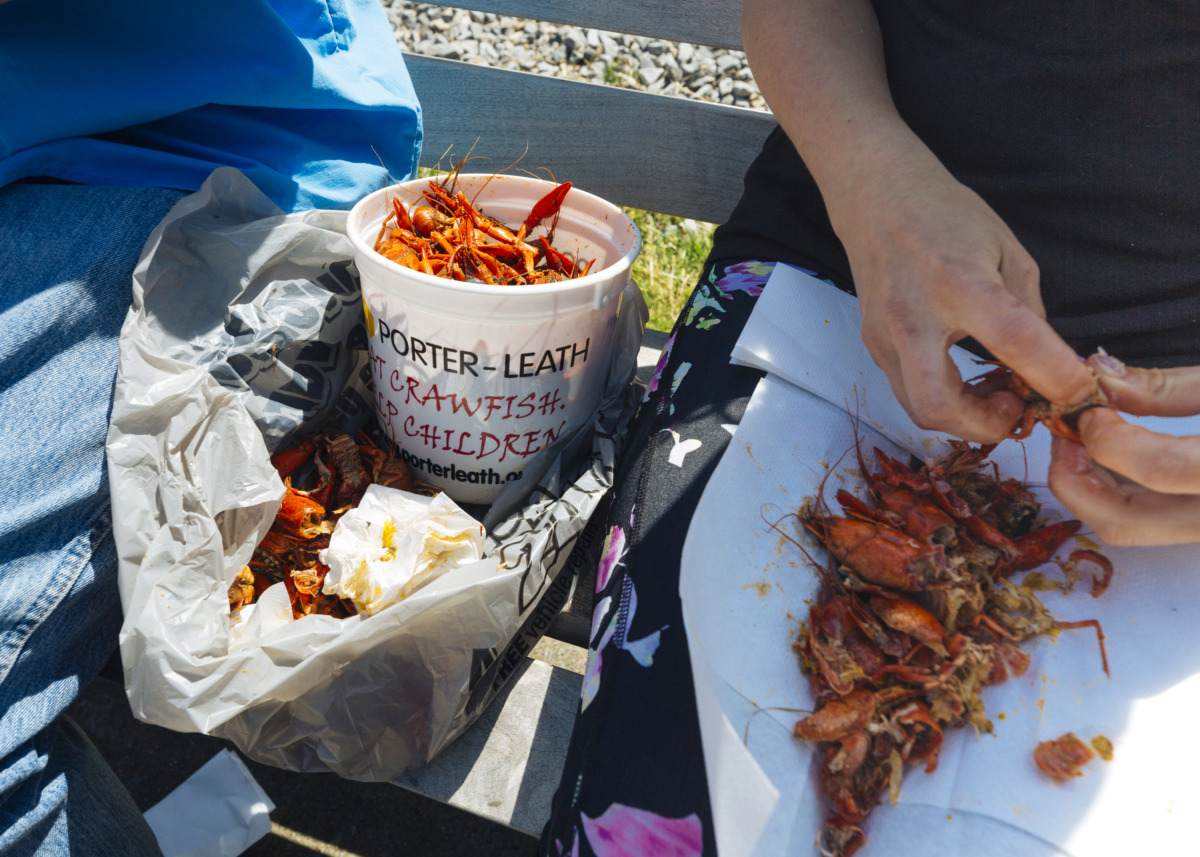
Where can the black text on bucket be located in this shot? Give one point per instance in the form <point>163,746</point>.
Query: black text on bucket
<point>527,364</point>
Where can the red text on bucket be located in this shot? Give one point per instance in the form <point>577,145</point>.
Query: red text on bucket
<point>414,409</point>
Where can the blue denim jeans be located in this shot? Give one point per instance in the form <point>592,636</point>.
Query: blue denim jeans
<point>67,255</point>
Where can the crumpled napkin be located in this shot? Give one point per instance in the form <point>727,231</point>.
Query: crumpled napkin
<point>395,542</point>
<point>219,811</point>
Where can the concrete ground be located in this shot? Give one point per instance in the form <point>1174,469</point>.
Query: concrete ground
<point>316,814</point>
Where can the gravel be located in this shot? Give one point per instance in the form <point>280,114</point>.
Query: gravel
<point>594,56</point>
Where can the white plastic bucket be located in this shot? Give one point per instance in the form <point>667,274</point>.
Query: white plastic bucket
<point>472,380</point>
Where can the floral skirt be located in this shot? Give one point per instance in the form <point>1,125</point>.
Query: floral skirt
<point>634,782</point>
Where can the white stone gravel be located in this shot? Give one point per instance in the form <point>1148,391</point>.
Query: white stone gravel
<point>595,56</point>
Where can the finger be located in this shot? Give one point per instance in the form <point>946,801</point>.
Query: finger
<point>1157,392</point>
<point>1020,275</point>
<point>1159,462</point>
<point>1008,318</point>
<point>1024,342</point>
<point>939,400</point>
<point>913,353</point>
<point>1118,512</point>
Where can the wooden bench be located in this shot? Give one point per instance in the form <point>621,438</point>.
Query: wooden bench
<point>652,152</point>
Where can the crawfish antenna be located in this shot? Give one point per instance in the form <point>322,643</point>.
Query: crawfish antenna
<point>386,171</point>
<point>774,525</point>
<point>855,422</point>
<point>498,172</point>
<point>453,174</point>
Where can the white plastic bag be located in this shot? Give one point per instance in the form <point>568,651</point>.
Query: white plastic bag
<point>246,330</point>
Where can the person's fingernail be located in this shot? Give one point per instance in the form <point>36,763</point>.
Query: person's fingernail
<point>1106,364</point>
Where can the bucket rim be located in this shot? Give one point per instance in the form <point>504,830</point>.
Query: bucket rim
<point>366,251</point>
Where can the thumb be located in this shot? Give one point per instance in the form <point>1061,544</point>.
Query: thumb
<point>1148,392</point>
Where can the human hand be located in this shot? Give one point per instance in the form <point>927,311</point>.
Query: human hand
<point>932,264</point>
<point>1133,486</point>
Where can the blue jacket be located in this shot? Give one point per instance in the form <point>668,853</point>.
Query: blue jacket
<point>309,99</point>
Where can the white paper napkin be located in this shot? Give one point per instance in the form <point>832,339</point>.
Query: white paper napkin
<point>219,811</point>
<point>745,588</point>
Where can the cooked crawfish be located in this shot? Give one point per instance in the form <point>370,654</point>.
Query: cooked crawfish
<point>444,235</point>
<point>1063,757</point>
<point>916,614</point>
<point>336,471</point>
<point>1061,420</point>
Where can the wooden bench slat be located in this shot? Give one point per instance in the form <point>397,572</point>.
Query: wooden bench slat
<point>507,765</point>
<point>701,22</point>
<point>677,155</point>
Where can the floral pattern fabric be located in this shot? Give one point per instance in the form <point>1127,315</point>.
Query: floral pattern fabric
<point>634,782</point>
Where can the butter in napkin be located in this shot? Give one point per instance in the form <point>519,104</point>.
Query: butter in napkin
<point>393,543</point>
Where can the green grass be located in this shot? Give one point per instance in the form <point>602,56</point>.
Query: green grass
<point>673,253</point>
<point>621,72</point>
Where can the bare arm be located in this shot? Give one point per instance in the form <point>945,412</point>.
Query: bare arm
<point>932,263</point>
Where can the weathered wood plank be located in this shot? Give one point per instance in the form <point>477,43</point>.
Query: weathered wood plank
<point>702,22</point>
<point>507,765</point>
<point>652,152</point>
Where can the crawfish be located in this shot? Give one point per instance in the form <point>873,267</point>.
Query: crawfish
<point>899,647</point>
<point>301,515</point>
<point>927,503</point>
<point>1063,757</point>
<point>242,590</point>
<point>335,470</point>
<point>912,619</point>
<point>828,645</point>
<point>838,718</point>
<point>878,553</point>
<point>448,237</point>
<point>1061,420</point>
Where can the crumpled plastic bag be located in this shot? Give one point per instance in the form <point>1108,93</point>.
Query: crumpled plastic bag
<point>246,329</point>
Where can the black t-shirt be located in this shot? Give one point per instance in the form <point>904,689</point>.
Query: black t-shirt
<point>1078,122</point>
